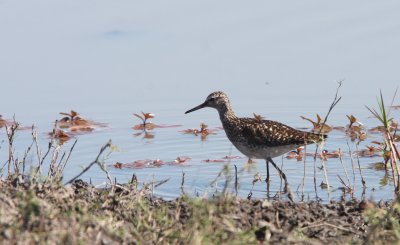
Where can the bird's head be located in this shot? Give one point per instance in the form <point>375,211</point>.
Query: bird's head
<point>218,100</point>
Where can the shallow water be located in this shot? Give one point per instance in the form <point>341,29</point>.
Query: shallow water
<point>280,60</point>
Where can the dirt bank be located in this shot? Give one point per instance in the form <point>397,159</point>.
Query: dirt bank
<point>37,214</point>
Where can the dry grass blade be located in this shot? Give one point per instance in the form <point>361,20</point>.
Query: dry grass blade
<point>336,100</point>
<point>96,161</point>
<point>10,131</point>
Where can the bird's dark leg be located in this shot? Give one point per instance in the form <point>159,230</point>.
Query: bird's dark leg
<point>281,173</point>
<point>267,179</point>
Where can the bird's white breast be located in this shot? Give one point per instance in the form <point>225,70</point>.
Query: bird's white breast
<point>263,152</point>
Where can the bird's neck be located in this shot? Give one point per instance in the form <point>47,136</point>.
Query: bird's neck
<point>226,113</point>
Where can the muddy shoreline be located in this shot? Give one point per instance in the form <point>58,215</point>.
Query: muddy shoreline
<point>125,214</point>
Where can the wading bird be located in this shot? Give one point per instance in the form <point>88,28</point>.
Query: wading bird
<point>255,138</point>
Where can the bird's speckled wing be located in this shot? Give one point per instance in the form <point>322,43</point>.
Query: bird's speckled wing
<point>270,133</point>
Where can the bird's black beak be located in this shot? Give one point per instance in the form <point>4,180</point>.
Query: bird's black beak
<point>196,108</point>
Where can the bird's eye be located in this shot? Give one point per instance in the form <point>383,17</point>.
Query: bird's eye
<point>211,99</point>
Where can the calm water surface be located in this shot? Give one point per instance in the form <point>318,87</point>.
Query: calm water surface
<point>280,60</point>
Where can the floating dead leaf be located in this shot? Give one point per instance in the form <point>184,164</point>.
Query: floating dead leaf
<point>70,115</point>
<point>393,126</point>
<point>9,123</point>
<point>333,154</point>
<point>355,130</point>
<point>79,128</point>
<point>147,125</point>
<point>223,160</point>
<point>60,135</point>
<point>319,125</point>
<point>139,164</point>
<point>76,124</point>
<point>297,154</point>
<point>232,157</point>
<point>370,151</point>
<point>214,161</point>
<point>148,163</point>
<point>203,131</point>
<point>181,160</point>
<point>356,134</point>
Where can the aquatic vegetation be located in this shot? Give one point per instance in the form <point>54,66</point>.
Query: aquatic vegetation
<point>393,126</point>
<point>203,131</point>
<point>355,130</point>
<point>60,134</point>
<point>73,124</point>
<point>4,122</point>
<point>232,157</point>
<point>353,122</point>
<point>181,160</point>
<point>319,125</point>
<point>147,125</point>
<point>325,154</point>
<point>224,159</point>
<point>370,151</point>
<point>146,134</point>
<point>77,124</point>
<point>148,163</point>
<point>214,161</point>
<point>357,134</point>
<point>298,154</point>
<point>72,119</point>
<point>139,164</point>
<point>383,115</point>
